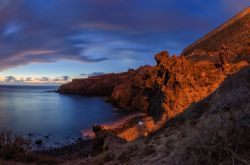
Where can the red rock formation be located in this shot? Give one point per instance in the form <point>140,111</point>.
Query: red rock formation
<point>102,85</point>
<point>161,92</point>
<point>181,82</point>
<point>130,94</point>
<point>174,85</point>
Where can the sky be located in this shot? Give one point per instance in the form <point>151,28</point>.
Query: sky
<point>50,42</point>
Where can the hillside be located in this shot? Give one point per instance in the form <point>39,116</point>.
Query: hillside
<point>215,130</point>
<point>234,34</point>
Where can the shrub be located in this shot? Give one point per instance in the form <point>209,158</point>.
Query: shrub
<point>13,147</point>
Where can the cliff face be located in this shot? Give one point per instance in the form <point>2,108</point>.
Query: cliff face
<point>102,85</point>
<point>131,93</point>
<point>125,90</point>
<point>178,84</point>
<point>168,88</point>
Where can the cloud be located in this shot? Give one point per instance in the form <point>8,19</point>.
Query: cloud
<point>34,80</point>
<point>10,79</point>
<point>63,78</point>
<point>93,31</point>
<point>92,74</point>
<point>28,79</point>
<point>45,79</point>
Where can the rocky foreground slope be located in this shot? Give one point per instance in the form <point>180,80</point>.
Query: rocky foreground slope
<point>215,130</point>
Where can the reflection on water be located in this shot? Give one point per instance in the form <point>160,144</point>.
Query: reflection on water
<point>30,111</point>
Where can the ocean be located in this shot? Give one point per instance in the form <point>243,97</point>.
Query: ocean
<point>56,119</point>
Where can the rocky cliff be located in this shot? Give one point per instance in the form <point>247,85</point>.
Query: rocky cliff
<point>178,84</point>
<point>161,92</point>
<point>102,85</point>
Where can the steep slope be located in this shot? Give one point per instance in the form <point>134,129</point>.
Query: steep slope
<point>234,34</point>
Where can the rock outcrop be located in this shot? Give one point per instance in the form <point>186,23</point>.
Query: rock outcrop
<point>181,82</point>
<point>131,93</point>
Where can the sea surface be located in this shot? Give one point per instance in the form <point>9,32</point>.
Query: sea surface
<point>56,119</point>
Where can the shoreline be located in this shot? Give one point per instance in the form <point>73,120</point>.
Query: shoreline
<point>89,146</point>
<point>49,141</point>
<point>86,146</point>
<point>78,149</point>
<point>86,137</point>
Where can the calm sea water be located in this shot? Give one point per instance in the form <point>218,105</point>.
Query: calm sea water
<point>55,118</point>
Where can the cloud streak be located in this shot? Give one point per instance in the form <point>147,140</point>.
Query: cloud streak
<point>92,74</point>
<point>10,79</point>
<point>93,31</point>
<point>34,80</point>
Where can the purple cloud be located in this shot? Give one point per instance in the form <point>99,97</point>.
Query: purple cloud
<point>92,74</point>
<point>63,78</point>
<point>92,31</point>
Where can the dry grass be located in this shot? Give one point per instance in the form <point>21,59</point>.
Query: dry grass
<point>222,138</point>
<point>13,147</point>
